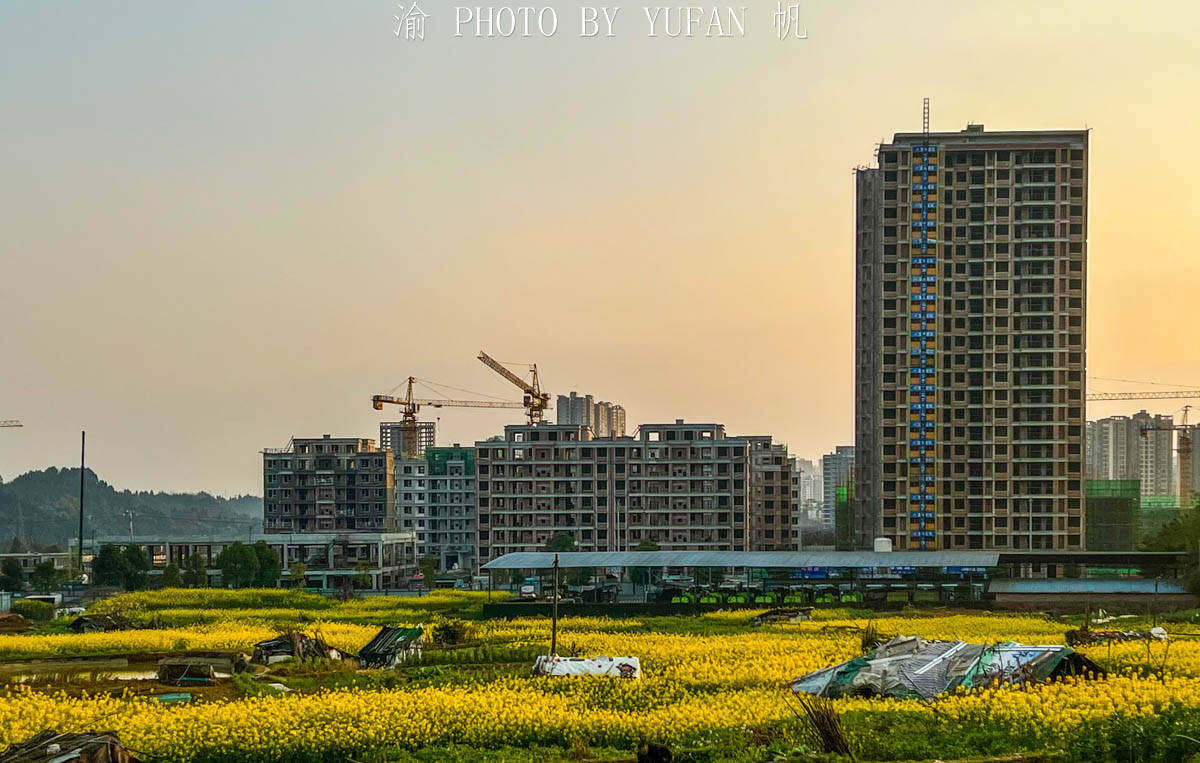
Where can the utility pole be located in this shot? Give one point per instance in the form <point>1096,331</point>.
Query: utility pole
<point>82,461</point>
<point>554,619</point>
<point>131,514</point>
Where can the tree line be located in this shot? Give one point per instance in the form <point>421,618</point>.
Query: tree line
<point>242,566</point>
<point>42,508</point>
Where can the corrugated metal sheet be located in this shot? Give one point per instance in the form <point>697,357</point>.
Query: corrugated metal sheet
<point>1085,586</point>
<point>540,560</point>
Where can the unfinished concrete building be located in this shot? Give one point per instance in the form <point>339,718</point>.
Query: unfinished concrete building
<point>328,484</point>
<point>393,435</point>
<point>683,486</point>
<point>970,340</point>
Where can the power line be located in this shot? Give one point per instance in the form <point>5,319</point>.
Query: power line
<point>435,386</point>
<point>213,520</point>
<point>1136,381</point>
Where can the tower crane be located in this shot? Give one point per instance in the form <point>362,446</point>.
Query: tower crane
<point>1184,449</point>
<point>1183,394</point>
<point>536,401</point>
<point>11,423</point>
<point>409,406</point>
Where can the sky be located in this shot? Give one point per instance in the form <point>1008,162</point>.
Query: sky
<point>226,224</point>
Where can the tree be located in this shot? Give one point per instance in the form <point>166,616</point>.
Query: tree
<point>15,546</point>
<point>1181,534</point>
<point>561,541</point>
<point>12,577</point>
<point>239,566</point>
<point>45,577</point>
<point>641,575</point>
<point>195,571</point>
<point>135,566</point>
<point>502,578</point>
<point>429,567</point>
<point>362,576</point>
<point>269,566</point>
<point>108,567</point>
<point>298,571</point>
<point>171,577</point>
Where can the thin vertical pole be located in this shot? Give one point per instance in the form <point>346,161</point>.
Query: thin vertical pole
<point>82,461</point>
<point>554,619</point>
<point>489,586</point>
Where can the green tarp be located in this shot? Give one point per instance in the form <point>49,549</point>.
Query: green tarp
<point>909,667</point>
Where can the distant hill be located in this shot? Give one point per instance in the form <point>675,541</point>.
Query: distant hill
<point>42,508</point>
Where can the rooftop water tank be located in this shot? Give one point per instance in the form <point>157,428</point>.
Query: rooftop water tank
<point>883,545</point>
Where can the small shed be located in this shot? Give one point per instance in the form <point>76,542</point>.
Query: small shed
<point>104,624</point>
<point>292,645</point>
<point>11,622</point>
<point>182,671</point>
<point>53,747</point>
<point>392,646</point>
<point>783,615</point>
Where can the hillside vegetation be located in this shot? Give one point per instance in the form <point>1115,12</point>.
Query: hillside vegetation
<point>42,509</point>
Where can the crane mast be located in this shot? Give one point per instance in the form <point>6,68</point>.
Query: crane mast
<point>536,401</point>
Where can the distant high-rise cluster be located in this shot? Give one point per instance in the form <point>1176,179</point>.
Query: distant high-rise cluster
<point>605,419</point>
<point>807,497</point>
<point>1117,450</point>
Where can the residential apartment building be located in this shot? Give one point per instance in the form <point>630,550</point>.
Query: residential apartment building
<point>837,470</point>
<point>684,486</point>
<point>412,501</point>
<point>605,419</point>
<point>450,506</point>
<point>1117,449</point>
<point>770,495</point>
<point>328,484</point>
<point>971,254</point>
<point>610,419</point>
<point>435,500</point>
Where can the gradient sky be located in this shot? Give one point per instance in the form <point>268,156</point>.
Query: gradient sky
<point>227,223</point>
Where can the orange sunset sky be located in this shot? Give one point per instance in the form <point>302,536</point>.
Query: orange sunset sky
<point>225,224</point>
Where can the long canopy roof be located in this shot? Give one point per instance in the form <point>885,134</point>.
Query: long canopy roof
<point>540,560</point>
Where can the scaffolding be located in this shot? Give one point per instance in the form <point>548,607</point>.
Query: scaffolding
<point>1114,515</point>
<point>843,517</point>
<point>438,458</point>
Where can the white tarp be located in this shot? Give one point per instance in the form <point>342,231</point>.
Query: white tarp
<point>617,667</point>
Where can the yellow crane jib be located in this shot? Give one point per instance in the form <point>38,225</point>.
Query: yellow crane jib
<point>536,401</point>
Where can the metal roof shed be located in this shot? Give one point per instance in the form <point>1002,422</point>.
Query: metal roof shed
<point>540,560</point>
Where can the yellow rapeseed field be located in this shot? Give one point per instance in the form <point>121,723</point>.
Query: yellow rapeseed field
<point>716,675</point>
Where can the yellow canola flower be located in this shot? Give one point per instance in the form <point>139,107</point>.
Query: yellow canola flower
<point>724,679</point>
